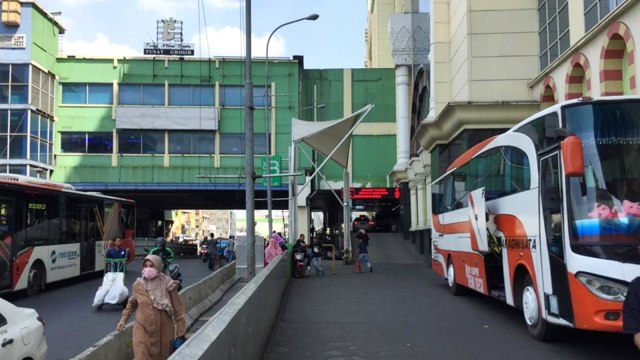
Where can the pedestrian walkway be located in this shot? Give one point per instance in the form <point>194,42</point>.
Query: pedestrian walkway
<point>355,315</point>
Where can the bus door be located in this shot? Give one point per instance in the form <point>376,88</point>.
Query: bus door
<point>8,246</point>
<point>557,295</point>
<point>89,236</point>
<point>478,218</point>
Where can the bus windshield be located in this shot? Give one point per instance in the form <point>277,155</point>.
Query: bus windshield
<point>604,204</point>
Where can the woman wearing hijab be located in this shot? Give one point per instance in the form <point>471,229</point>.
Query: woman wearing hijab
<point>157,306</point>
<point>272,250</point>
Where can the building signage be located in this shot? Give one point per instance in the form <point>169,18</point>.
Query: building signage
<point>14,41</point>
<point>374,193</point>
<point>169,40</point>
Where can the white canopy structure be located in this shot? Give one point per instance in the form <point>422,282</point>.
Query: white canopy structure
<point>331,138</point>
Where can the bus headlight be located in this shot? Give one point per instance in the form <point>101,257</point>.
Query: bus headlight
<point>603,288</point>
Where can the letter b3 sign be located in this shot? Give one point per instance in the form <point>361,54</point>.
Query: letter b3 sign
<point>275,167</point>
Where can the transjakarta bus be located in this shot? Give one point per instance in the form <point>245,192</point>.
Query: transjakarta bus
<point>546,216</point>
<point>50,232</point>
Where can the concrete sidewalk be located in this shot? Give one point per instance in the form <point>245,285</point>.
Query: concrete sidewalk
<point>354,315</point>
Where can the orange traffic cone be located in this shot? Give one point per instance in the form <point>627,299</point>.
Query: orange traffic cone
<point>357,269</point>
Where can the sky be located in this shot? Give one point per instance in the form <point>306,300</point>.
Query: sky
<point>216,28</point>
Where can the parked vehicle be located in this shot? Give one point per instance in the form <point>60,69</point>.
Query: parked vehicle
<point>171,269</point>
<point>363,222</point>
<point>21,333</point>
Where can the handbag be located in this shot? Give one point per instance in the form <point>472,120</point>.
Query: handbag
<point>178,342</point>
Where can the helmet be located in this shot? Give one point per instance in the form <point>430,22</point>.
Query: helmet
<point>160,242</point>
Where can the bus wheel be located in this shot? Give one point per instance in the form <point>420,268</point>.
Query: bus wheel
<point>454,287</point>
<point>537,326</point>
<point>36,279</point>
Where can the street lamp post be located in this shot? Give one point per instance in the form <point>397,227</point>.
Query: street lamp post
<point>311,17</point>
<point>293,169</point>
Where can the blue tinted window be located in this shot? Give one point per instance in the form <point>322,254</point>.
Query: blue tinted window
<point>4,73</point>
<point>19,94</point>
<point>259,96</point>
<point>204,143</point>
<point>20,74</point>
<point>180,95</point>
<point>33,145</point>
<point>203,96</point>
<point>100,94</point>
<point>153,142</point>
<point>74,93</point>
<point>152,94</point>
<point>4,94</point>
<point>129,142</point>
<point>4,150</point>
<point>73,142</point>
<point>232,95</point>
<point>130,94</point>
<point>18,147</point>
<point>4,121</point>
<point>179,142</point>
<point>258,143</point>
<point>99,143</point>
<point>35,128</point>
<point>18,121</point>
<point>231,144</point>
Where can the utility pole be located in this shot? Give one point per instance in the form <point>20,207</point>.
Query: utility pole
<point>248,149</point>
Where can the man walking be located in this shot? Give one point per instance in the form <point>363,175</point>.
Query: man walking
<point>212,245</point>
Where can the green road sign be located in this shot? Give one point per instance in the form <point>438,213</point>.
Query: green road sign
<point>274,168</point>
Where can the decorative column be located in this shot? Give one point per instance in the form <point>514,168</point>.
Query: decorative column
<point>422,206</point>
<point>427,184</point>
<point>409,35</point>
<point>413,186</point>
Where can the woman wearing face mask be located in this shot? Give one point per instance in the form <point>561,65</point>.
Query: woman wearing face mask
<point>157,306</point>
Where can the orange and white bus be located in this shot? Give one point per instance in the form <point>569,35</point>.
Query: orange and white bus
<point>50,232</point>
<point>546,216</point>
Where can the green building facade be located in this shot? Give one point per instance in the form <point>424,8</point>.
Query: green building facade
<point>168,132</point>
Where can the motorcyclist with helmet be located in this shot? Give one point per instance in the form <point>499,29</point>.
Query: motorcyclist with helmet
<point>163,251</point>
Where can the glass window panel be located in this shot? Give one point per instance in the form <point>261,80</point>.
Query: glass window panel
<point>203,95</point>
<point>544,62</point>
<point>130,94</point>
<point>204,143</point>
<point>100,94</point>
<point>258,144</point>
<point>50,155</point>
<point>232,95</point>
<point>179,142</point>
<point>129,142</point>
<point>33,148</point>
<point>588,3</point>
<point>43,152</point>
<point>4,150</point>
<point>604,8</point>
<point>564,42</point>
<point>4,73</point>
<point>551,8</point>
<point>259,97</point>
<point>18,169</point>
<point>543,40</point>
<point>4,94</point>
<point>563,19</point>
<point>590,18</point>
<point>542,17</point>
<point>74,93</point>
<point>20,74</point>
<point>553,29</point>
<point>152,94</point>
<point>18,121</point>
<point>153,142</point>
<point>231,144</point>
<point>44,125</point>
<point>35,120</point>
<point>180,95</point>
<point>19,94</point>
<point>18,147</point>
<point>73,142</point>
<point>4,121</point>
<point>553,52</point>
<point>99,143</point>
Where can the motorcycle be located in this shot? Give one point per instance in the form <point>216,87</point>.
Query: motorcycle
<point>299,264</point>
<point>204,252</point>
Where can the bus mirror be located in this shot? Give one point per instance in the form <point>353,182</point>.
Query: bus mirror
<point>572,158</point>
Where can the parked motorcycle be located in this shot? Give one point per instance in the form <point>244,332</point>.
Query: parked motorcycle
<point>299,264</point>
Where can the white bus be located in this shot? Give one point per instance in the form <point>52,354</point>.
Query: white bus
<point>546,216</point>
<point>50,232</point>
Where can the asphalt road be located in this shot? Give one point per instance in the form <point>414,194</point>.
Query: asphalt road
<point>72,324</point>
<point>403,310</point>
